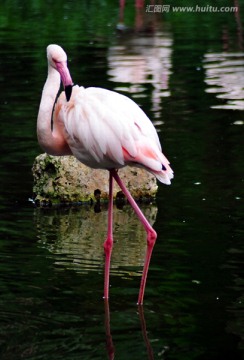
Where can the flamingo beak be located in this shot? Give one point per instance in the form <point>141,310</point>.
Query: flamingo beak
<point>65,78</point>
<point>68,92</point>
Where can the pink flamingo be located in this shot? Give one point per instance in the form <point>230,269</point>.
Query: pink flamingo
<point>104,130</point>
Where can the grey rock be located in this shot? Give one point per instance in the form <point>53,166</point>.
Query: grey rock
<point>64,179</point>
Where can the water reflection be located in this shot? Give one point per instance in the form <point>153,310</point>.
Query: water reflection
<point>109,340</point>
<point>75,236</point>
<point>141,57</point>
<point>144,333</point>
<point>142,21</point>
<point>225,78</point>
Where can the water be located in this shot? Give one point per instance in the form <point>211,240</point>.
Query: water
<point>185,71</point>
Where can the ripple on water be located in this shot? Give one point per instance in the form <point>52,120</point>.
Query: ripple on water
<point>225,78</point>
<point>73,239</point>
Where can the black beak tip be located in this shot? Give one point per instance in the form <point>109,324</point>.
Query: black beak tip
<point>68,92</point>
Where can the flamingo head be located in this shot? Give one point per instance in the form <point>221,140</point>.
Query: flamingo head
<point>57,59</point>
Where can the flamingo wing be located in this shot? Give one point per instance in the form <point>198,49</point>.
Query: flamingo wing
<point>105,129</point>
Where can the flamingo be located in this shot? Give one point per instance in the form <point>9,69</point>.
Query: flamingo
<point>104,130</point>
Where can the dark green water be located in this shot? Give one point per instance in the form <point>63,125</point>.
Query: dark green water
<point>186,70</point>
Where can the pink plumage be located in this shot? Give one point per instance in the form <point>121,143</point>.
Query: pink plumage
<point>107,130</point>
<point>103,129</point>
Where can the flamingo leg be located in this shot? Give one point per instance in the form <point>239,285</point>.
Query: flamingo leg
<point>108,244</point>
<point>151,234</point>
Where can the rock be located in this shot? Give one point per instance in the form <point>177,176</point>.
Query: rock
<point>63,179</point>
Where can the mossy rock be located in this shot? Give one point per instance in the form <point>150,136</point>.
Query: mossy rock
<point>65,180</point>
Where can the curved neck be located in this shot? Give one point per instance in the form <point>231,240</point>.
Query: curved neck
<point>53,142</point>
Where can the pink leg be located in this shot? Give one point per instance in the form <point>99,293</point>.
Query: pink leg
<point>108,244</point>
<point>151,234</point>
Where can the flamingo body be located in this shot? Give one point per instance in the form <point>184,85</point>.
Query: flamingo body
<point>107,130</point>
<point>102,129</point>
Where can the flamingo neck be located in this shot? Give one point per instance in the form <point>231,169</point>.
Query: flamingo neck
<point>53,142</point>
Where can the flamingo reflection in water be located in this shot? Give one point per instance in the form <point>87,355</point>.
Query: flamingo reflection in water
<point>102,129</point>
<point>109,340</point>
